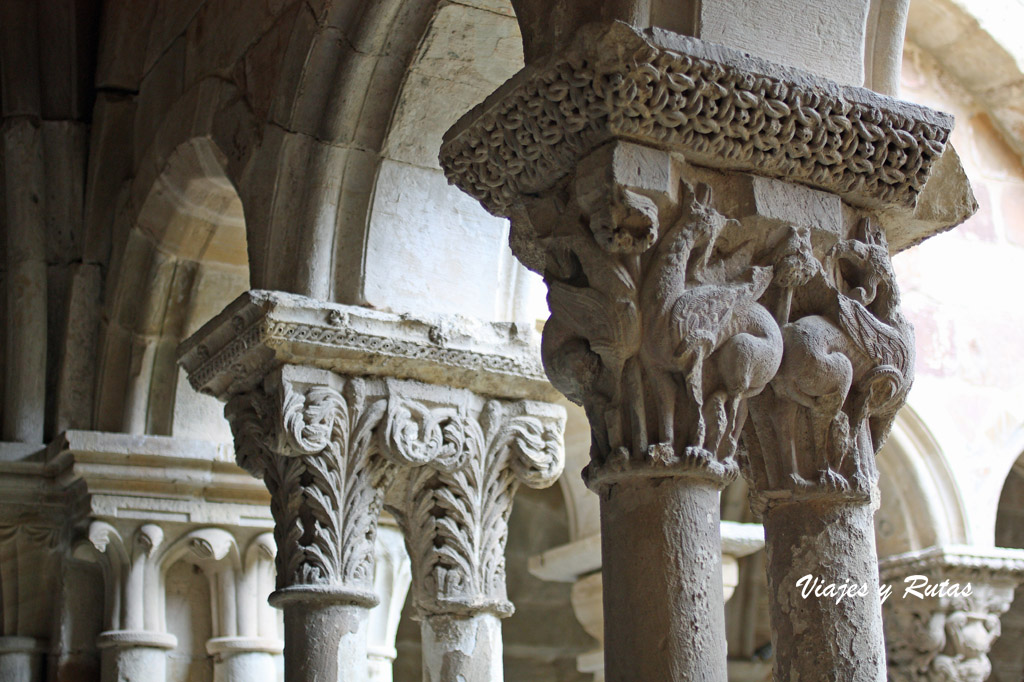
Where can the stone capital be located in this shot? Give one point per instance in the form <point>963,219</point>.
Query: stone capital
<point>674,287</point>
<point>455,519</point>
<point>263,330</point>
<point>943,614</point>
<point>331,405</point>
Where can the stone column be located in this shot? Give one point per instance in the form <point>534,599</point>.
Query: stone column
<point>134,646</point>
<point>328,403</point>
<point>455,521</point>
<point>579,563</point>
<point>674,288</point>
<point>393,576</point>
<point>942,616</point>
<point>847,369</point>
<point>246,649</point>
<point>21,659</point>
<point>243,645</point>
<point>312,445</point>
<point>30,550</point>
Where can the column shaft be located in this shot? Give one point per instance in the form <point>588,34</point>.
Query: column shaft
<point>133,664</point>
<point>324,642</point>
<point>660,542</point>
<point>249,666</point>
<point>815,636</point>
<point>21,659</point>
<point>462,648</point>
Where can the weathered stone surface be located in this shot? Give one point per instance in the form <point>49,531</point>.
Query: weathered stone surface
<point>263,329</point>
<point>328,447</point>
<point>678,104</point>
<point>943,615</point>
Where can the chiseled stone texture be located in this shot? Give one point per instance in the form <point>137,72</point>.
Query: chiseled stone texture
<point>542,638</point>
<point>819,133</point>
<point>264,329</point>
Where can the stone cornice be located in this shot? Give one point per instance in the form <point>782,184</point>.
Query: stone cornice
<point>155,478</point>
<point>716,106</point>
<point>262,330</point>
<point>991,562</point>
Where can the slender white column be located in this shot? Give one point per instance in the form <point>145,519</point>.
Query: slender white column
<point>244,641</point>
<point>393,575</point>
<point>239,659</point>
<point>135,643</point>
<point>134,655</point>
<point>22,659</point>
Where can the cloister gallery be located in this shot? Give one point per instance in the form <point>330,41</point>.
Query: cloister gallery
<point>470,340</point>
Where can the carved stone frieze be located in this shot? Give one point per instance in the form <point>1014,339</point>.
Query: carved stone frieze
<point>718,106</point>
<point>455,518</point>
<point>943,629</point>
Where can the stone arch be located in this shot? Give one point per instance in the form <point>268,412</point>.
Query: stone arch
<point>920,502</point>
<point>978,45</point>
<point>183,258</point>
<point>1006,655</point>
<point>442,237</point>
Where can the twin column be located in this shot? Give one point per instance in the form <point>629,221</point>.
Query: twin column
<point>722,299</point>
<point>330,448</point>
<point>338,441</point>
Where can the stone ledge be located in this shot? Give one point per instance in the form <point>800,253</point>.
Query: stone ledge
<point>990,561</point>
<point>568,562</point>
<point>717,106</point>
<point>155,478</point>
<point>262,330</point>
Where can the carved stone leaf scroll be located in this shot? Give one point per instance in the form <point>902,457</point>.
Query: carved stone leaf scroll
<point>456,520</point>
<point>328,448</point>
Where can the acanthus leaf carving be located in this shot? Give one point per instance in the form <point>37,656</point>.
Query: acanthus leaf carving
<point>416,434</point>
<point>456,520</point>
<point>329,447</point>
<point>312,444</point>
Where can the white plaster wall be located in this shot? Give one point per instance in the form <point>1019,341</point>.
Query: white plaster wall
<point>430,248</point>
<point>825,38</point>
<point>961,291</point>
<point>188,618</point>
<point>197,415</point>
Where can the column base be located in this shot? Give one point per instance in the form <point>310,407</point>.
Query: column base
<point>380,662</point>
<point>244,659</point>
<point>21,659</point>
<point>134,655</point>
